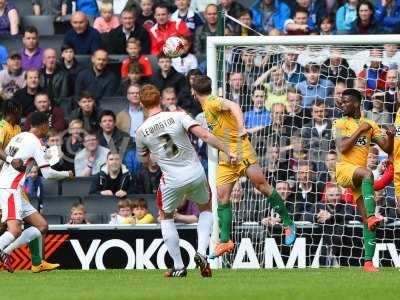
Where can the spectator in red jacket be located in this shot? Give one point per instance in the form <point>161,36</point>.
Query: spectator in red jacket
<point>133,49</point>
<point>164,28</point>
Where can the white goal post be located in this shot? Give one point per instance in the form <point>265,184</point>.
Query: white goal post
<point>215,44</point>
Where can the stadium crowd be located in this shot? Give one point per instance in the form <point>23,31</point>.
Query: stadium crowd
<point>289,99</point>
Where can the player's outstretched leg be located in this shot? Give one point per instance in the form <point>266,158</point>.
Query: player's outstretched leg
<point>204,228</point>
<point>257,178</point>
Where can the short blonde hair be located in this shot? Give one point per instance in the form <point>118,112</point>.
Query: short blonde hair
<point>106,6</point>
<point>75,122</point>
<point>78,206</point>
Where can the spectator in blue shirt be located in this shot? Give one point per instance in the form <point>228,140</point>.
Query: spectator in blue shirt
<point>88,7</point>
<point>346,15</point>
<point>293,71</point>
<point>314,87</point>
<point>387,14</point>
<point>269,15</point>
<point>84,39</point>
<point>316,10</point>
<point>3,57</point>
<point>259,116</point>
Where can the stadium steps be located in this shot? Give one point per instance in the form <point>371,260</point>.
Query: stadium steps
<point>44,24</point>
<point>77,187</point>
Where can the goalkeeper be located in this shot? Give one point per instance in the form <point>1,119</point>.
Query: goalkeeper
<point>225,120</point>
<point>354,135</point>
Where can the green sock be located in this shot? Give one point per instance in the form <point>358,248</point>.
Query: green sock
<point>277,204</point>
<point>369,243</point>
<point>36,252</point>
<point>225,221</point>
<point>367,189</point>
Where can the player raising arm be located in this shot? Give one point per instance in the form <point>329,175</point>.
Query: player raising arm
<point>225,120</point>
<point>354,135</point>
<point>27,147</point>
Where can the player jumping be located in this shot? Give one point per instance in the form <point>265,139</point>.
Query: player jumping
<point>163,138</point>
<point>225,120</point>
<point>27,147</point>
<point>354,135</point>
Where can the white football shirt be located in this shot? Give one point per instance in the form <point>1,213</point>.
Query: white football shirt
<point>165,136</point>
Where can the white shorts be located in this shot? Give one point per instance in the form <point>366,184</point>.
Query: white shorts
<point>14,206</point>
<point>169,198</point>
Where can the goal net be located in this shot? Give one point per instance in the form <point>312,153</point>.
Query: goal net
<point>289,89</point>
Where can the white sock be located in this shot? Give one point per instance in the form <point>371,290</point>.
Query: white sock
<point>6,239</point>
<point>204,228</point>
<point>171,240</point>
<point>26,236</point>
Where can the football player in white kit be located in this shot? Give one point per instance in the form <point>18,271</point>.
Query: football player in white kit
<point>27,147</point>
<point>163,138</point>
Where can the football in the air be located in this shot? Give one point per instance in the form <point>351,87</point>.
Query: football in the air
<point>174,47</point>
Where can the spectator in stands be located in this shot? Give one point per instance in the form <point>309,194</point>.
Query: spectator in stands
<point>141,212</point>
<point>307,193</point>
<point>164,28</point>
<point>365,22</point>
<point>129,28</point>
<point>316,10</point>
<point>258,117</point>
<point>89,160</point>
<point>148,178</point>
<point>3,57</point>
<point>378,113</point>
<point>169,102</point>
<point>133,49</point>
<point>78,214</point>
<point>374,75</point>
<point>294,72</point>
<point>12,78</point>
<point>209,28</point>
<point>387,14</point>
<point>345,16</point>
<point>52,78</point>
<point>167,76</point>
<point>237,90</point>
<point>87,112</point>
<point>269,15</point>
<point>33,185</point>
<point>146,14</point>
<point>391,95</point>
<point>391,56</point>
<point>106,22</point>
<point>232,8</point>
<point>31,54</point>
<point>72,143</point>
<point>337,69</point>
<point>113,179</point>
<point>187,61</point>
<point>9,18</point>
<point>317,134</point>
<point>326,25</point>
<point>98,80</point>
<point>247,66</point>
<point>84,38</point>
<point>245,17</point>
<point>327,174</point>
<point>187,212</point>
<point>373,161</point>
<point>298,25</point>
<point>69,65</point>
<point>57,8</point>
<point>315,87</point>
<point>336,112</point>
<point>275,166</point>
<point>297,115</point>
<point>185,97</point>
<point>88,7</point>
<point>124,214</point>
<point>56,115</point>
<point>135,71</point>
<point>129,120</point>
<point>26,96</point>
<point>110,136</point>
<point>186,14</point>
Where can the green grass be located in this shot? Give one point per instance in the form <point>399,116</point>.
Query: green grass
<point>321,284</point>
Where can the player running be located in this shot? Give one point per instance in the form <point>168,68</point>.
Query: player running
<point>27,147</point>
<point>163,138</point>
<point>225,120</point>
<point>354,135</point>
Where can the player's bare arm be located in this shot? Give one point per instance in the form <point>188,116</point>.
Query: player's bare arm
<point>237,113</point>
<point>346,143</point>
<point>17,164</point>
<point>386,143</point>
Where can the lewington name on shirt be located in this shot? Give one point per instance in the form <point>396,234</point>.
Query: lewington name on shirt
<point>154,129</point>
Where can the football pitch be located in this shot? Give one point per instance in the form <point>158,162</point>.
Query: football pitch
<point>321,284</point>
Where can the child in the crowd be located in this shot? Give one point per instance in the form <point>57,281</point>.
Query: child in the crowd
<point>141,213</point>
<point>327,25</point>
<point>78,214</point>
<point>133,49</point>
<point>186,14</point>
<point>33,185</point>
<point>106,22</point>
<point>146,16</point>
<point>187,61</point>
<point>124,214</point>
<point>135,75</point>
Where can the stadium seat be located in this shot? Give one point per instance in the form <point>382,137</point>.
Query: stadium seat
<point>13,43</point>
<point>44,24</point>
<point>58,205</point>
<point>51,187</point>
<point>101,205</point>
<point>96,218</point>
<point>116,104</point>
<point>154,64</point>
<point>67,104</point>
<point>79,186</point>
<point>35,201</point>
<point>24,7</point>
<point>54,219</point>
<point>84,60</point>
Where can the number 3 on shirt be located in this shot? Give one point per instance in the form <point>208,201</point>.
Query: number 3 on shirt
<point>168,145</point>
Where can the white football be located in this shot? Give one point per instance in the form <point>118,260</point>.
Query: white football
<point>173,47</point>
